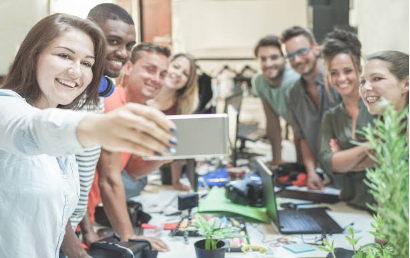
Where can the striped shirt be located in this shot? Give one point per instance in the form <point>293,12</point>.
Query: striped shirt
<point>87,162</point>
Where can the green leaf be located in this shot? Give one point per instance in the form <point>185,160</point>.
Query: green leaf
<point>190,229</point>
<point>227,229</point>
<point>217,234</point>
<point>201,232</point>
<point>233,235</point>
<point>323,248</point>
<point>351,241</point>
<point>357,239</point>
<point>360,254</point>
<point>351,231</point>
<point>202,223</point>
<point>214,223</point>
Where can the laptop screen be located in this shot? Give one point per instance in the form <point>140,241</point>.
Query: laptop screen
<point>268,191</point>
<point>235,100</point>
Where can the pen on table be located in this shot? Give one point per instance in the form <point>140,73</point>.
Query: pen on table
<point>234,222</point>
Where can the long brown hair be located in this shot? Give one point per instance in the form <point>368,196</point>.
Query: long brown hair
<point>187,97</point>
<point>22,78</point>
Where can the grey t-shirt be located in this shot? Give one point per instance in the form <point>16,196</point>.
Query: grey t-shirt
<point>275,96</point>
<point>308,118</point>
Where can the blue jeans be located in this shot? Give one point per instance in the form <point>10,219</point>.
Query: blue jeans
<point>132,187</point>
<point>62,255</point>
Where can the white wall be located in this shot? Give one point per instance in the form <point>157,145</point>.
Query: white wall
<point>228,28</point>
<point>382,25</point>
<point>79,8</point>
<point>17,18</point>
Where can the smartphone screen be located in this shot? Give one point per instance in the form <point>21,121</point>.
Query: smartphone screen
<point>199,136</point>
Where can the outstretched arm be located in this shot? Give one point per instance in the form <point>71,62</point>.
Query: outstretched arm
<point>274,132</point>
<point>71,245</point>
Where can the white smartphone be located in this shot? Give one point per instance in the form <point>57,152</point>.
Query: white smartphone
<point>199,136</point>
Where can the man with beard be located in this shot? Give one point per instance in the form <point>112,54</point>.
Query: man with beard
<point>119,31</point>
<point>308,98</point>
<point>272,86</point>
<point>144,76</point>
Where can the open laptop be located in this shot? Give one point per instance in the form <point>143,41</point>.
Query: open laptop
<point>294,221</point>
<point>235,100</point>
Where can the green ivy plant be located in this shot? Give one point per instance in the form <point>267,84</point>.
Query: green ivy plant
<point>389,185</point>
<point>328,247</point>
<point>213,232</point>
<point>389,179</point>
<point>371,250</point>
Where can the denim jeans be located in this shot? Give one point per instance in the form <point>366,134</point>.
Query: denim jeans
<point>62,255</point>
<point>132,187</point>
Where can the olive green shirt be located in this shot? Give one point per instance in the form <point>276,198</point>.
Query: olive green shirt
<point>337,124</point>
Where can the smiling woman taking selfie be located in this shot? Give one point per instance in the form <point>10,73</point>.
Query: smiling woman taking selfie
<point>60,60</point>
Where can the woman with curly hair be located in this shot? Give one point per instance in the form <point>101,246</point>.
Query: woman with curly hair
<point>339,156</point>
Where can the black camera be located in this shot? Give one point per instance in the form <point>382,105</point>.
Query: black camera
<point>245,193</point>
<point>187,201</point>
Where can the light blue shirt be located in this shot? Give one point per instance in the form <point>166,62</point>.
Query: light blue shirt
<point>39,186</point>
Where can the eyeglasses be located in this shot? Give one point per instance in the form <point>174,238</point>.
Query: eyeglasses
<point>303,51</point>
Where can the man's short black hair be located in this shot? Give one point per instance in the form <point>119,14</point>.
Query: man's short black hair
<point>148,47</point>
<point>102,12</point>
<point>295,31</point>
<point>270,40</point>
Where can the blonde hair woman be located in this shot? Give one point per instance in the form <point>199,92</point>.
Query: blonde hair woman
<point>178,96</point>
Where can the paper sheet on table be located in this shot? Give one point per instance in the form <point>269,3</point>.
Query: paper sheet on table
<point>156,202</point>
<point>216,202</point>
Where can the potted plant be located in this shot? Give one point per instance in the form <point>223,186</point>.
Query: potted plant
<point>212,246</point>
<point>389,183</point>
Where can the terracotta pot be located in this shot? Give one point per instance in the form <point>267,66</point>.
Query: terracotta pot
<point>216,253</point>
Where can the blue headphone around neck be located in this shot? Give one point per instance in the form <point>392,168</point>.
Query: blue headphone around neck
<point>106,87</point>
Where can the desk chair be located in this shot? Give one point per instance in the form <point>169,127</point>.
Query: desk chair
<point>245,132</point>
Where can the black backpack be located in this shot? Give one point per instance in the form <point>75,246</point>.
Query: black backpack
<point>112,247</point>
<point>137,215</point>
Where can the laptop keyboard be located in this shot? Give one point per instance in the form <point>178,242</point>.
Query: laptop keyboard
<point>298,221</point>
